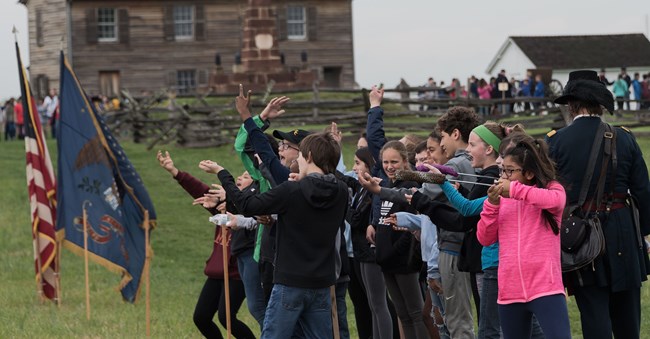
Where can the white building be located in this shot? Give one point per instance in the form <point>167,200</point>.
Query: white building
<point>559,55</point>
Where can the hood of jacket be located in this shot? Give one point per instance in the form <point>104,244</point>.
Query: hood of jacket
<point>321,191</point>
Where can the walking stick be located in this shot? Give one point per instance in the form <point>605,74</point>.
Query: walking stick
<point>85,221</point>
<point>335,314</point>
<point>147,260</point>
<point>226,286</point>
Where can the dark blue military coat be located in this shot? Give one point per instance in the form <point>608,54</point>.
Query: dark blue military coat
<point>625,264</point>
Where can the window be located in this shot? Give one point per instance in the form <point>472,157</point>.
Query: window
<point>185,81</point>
<point>106,24</point>
<point>296,28</point>
<point>183,22</point>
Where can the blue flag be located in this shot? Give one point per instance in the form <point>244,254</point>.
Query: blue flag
<point>94,173</point>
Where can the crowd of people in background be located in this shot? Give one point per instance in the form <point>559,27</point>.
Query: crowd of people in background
<point>631,93</point>
<point>12,113</point>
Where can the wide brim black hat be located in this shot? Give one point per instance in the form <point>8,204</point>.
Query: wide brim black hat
<point>294,136</point>
<point>585,86</point>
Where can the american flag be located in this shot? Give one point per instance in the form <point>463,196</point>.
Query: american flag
<point>42,192</point>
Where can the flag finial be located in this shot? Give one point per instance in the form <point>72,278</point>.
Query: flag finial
<point>15,32</point>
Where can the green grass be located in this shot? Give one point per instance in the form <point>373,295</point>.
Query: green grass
<point>182,242</point>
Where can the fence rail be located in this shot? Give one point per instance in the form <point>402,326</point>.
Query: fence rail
<point>197,123</point>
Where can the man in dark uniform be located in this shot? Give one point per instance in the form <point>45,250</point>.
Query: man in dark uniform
<point>608,291</point>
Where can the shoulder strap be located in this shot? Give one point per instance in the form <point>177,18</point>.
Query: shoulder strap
<point>608,153</point>
<point>598,139</point>
<point>612,184</point>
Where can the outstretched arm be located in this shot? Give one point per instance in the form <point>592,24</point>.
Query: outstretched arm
<point>257,138</point>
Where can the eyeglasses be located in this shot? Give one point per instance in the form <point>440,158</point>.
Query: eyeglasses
<point>508,171</point>
<point>284,146</point>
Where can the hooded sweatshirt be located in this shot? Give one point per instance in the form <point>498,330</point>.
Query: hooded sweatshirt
<point>529,251</point>
<point>310,213</point>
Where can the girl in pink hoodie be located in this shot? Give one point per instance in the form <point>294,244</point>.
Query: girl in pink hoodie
<point>523,213</point>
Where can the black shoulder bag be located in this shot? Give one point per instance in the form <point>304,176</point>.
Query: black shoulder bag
<point>581,235</point>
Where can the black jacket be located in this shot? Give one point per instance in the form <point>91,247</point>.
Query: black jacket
<point>396,249</point>
<point>358,217</point>
<point>310,214</point>
<point>242,240</point>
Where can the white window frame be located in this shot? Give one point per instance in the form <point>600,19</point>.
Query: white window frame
<point>184,21</point>
<point>296,21</point>
<point>185,81</point>
<point>101,24</point>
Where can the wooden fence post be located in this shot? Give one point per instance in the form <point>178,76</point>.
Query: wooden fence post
<point>314,87</point>
<point>366,99</point>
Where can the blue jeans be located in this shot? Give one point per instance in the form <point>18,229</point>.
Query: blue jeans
<point>342,309</point>
<point>438,302</point>
<point>489,326</point>
<point>289,306</point>
<point>250,275</point>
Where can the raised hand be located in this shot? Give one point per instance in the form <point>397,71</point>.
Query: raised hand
<point>375,96</point>
<point>494,193</point>
<point>432,168</point>
<point>232,221</point>
<point>243,103</point>
<point>210,166</point>
<point>166,162</point>
<point>221,207</point>
<point>336,134</point>
<point>218,191</point>
<point>370,183</point>
<point>265,220</point>
<point>505,184</point>
<point>392,220</point>
<point>274,108</point>
<point>207,201</point>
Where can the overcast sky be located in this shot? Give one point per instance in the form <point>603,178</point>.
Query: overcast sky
<point>415,39</point>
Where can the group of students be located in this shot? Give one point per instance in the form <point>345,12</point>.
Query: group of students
<point>411,254</point>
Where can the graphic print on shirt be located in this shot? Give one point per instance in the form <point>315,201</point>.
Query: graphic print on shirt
<point>385,208</point>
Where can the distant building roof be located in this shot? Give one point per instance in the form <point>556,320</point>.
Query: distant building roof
<point>582,51</point>
<point>586,51</point>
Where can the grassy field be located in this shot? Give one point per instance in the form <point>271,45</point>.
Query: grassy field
<point>182,243</point>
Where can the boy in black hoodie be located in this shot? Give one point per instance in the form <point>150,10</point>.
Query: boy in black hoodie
<point>311,210</point>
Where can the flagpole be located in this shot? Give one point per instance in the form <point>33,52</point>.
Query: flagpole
<point>335,314</point>
<point>224,243</point>
<point>85,222</point>
<point>147,260</point>
<point>57,276</point>
<point>37,251</point>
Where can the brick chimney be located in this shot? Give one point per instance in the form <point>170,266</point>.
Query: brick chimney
<point>260,57</point>
<point>260,52</point>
